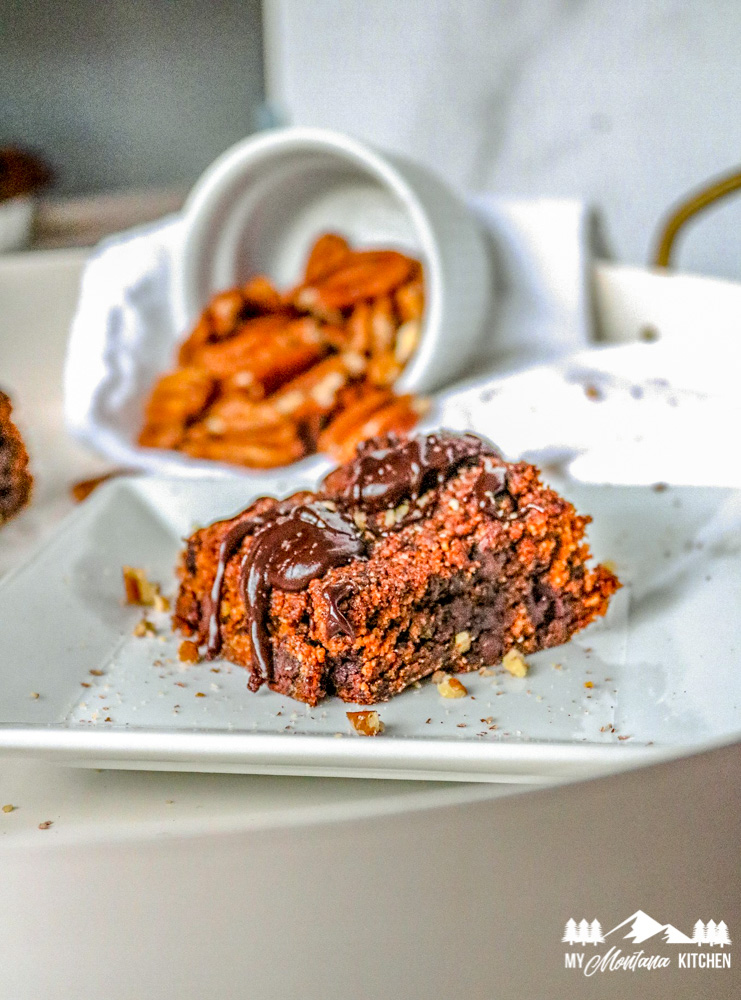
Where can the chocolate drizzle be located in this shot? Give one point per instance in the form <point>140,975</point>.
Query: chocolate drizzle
<point>490,484</point>
<point>289,552</point>
<point>381,477</point>
<point>337,621</point>
<point>229,545</point>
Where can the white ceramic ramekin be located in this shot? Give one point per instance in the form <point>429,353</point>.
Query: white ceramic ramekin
<point>261,205</point>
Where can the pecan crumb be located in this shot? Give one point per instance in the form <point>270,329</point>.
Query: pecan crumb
<point>34,695</point>
<point>9,809</point>
<point>140,590</point>
<point>188,652</point>
<point>142,628</point>
<point>200,694</point>
<point>161,603</point>
<point>451,687</point>
<point>462,642</point>
<point>515,663</point>
<point>46,824</point>
<point>588,684</point>
<point>366,723</point>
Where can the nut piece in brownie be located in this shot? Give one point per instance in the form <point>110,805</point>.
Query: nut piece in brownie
<point>418,554</point>
<point>15,479</point>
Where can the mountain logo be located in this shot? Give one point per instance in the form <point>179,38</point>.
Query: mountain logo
<point>639,927</point>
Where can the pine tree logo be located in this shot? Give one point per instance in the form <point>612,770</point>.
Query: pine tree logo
<point>722,937</point>
<point>711,933</point>
<point>640,927</point>
<point>570,933</point>
<point>583,932</point>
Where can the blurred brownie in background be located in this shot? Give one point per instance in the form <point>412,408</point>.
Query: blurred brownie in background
<point>15,480</point>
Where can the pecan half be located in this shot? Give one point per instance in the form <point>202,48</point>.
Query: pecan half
<point>329,251</point>
<point>384,369</point>
<point>383,324</point>
<point>410,300</point>
<point>316,390</point>
<point>378,412</point>
<point>359,328</point>
<point>177,400</point>
<point>227,356</point>
<point>365,274</point>
<point>264,449</point>
<point>261,296</point>
<point>267,354</point>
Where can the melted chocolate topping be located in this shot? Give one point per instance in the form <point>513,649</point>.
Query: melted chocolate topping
<point>337,621</point>
<point>229,546</point>
<point>289,552</point>
<point>382,477</point>
<point>491,483</point>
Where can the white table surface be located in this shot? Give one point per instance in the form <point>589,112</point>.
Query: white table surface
<point>191,885</point>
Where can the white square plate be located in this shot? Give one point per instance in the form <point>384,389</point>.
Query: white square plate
<point>663,665</point>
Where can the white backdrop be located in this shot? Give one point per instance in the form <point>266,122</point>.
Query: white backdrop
<point>624,103</point>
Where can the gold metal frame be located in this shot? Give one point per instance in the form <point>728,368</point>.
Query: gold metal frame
<point>695,202</point>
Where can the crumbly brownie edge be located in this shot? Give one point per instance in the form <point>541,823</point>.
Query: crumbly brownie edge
<point>16,482</point>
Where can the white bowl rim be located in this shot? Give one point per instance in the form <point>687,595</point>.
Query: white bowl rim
<point>262,146</point>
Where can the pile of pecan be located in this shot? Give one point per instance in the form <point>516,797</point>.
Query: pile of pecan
<point>266,378</point>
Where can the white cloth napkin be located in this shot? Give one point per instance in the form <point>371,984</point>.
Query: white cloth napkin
<point>638,413</point>
<point>542,259</point>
